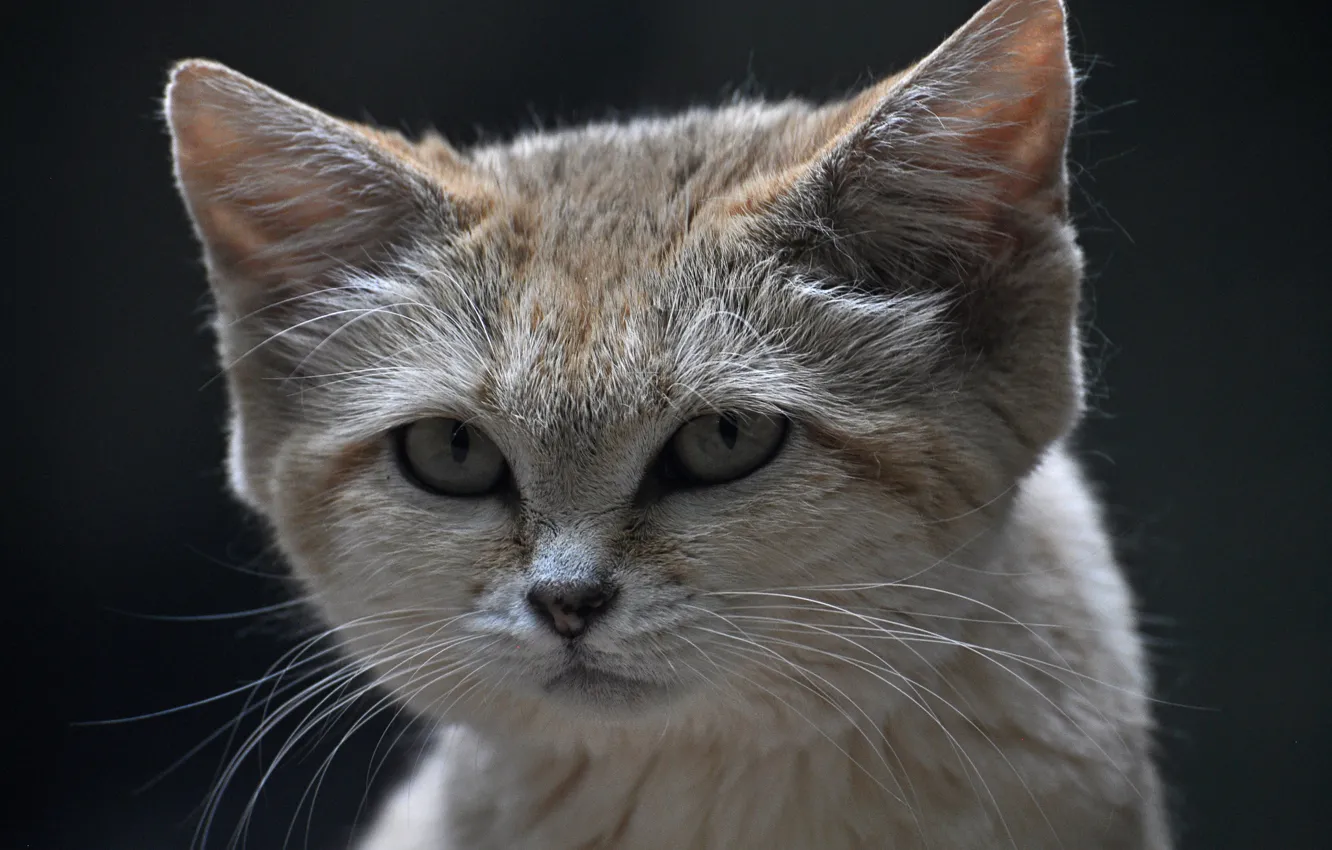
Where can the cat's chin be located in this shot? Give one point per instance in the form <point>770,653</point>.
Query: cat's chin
<point>608,694</point>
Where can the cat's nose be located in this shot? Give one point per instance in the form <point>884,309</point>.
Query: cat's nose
<point>569,607</point>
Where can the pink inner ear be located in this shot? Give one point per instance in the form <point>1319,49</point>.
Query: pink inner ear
<point>1017,95</point>
<point>245,199</point>
<point>1000,90</point>
<point>1022,126</point>
<point>281,190</point>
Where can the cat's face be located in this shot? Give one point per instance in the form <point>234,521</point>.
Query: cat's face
<point>667,415</point>
<point>607,499</point>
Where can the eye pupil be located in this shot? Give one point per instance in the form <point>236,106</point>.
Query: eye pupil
<point>459,443</point>
<point>730,430</point>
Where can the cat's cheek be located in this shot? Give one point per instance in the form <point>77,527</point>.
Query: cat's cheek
<point>328,513</point>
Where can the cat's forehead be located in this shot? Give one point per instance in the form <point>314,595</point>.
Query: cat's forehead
<point>566,354</point>
<point>599,202</point>
<point>708,148</point>
<point>609,295</point>
<point>571,362</point>
<point>603,283</point>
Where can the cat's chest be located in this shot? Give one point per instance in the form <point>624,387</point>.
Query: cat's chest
<point>852,793</point>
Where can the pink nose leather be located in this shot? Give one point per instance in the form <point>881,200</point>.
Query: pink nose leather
<point>570,608</point>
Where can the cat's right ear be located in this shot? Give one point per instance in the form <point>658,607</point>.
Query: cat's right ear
<point>282,195</point>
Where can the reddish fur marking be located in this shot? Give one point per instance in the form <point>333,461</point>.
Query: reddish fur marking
<point>871,461</point>
<point>350,462</point>
<point>911,463</point>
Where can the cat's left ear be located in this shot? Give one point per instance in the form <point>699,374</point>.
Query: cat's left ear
<point>947,158</point>
<point>282,194</point>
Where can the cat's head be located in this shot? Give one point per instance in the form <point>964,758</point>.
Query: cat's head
<point>660,413</point>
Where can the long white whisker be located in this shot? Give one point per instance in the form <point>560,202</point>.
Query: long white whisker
<point>751,642</point>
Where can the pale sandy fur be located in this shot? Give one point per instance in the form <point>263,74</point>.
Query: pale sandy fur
<point>1065,767</point>
<point>905,629</point>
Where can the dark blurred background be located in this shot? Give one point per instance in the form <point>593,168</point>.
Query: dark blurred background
<point>1202,167</point>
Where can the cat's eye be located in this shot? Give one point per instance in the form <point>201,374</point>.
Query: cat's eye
<point>450,457</point>
<point>722,447</point>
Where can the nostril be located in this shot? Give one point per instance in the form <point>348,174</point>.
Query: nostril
<point>570,607</point>
<point>600,599</point>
